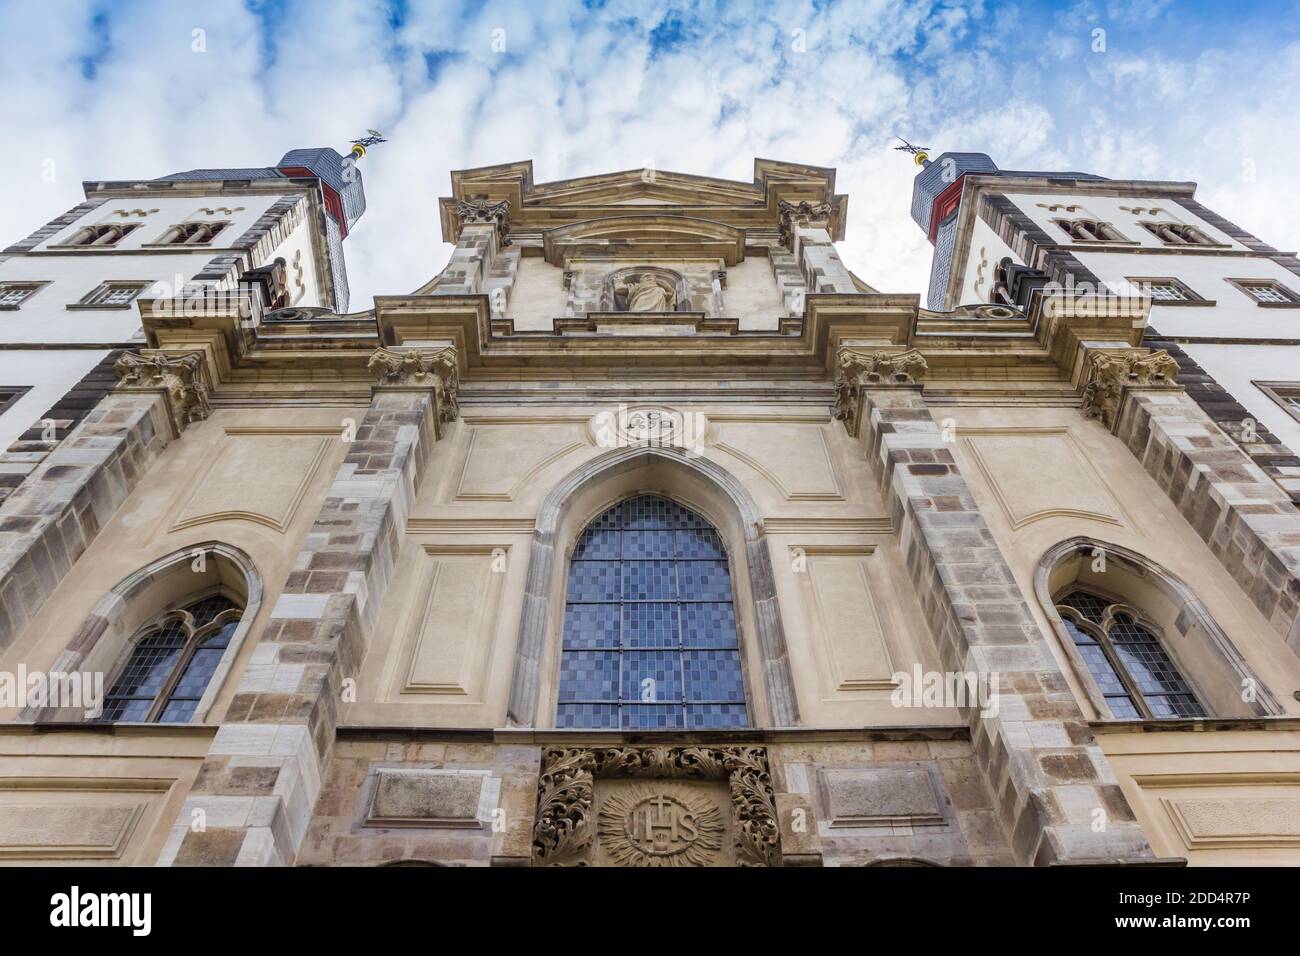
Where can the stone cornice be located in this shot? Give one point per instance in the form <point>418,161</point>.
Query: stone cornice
<point>182,378</point>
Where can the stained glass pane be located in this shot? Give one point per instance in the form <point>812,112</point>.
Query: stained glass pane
<point>156,657</point>
<point>650,628</point>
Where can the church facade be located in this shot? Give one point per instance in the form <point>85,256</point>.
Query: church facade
<point>646,533</point>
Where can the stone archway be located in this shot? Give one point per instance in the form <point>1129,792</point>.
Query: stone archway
<point>730,505</point>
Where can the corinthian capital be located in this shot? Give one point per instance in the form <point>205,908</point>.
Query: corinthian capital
<point>872,368</point>
<point>420,369</point>
<point>483,212</point>
<point>801,214</point>
<point>1110,373</point>
<point>179,376</point>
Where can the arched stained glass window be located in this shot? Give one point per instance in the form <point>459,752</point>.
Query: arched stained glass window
<point>172,662</point>
<point>1124,655</point>
<point>650,624</point>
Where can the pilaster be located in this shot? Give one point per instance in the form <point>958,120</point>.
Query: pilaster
<point>254,795</point>
<point>1051,781</point>
<point>49,521</point>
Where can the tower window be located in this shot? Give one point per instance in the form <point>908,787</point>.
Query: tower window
<point>649,624</point>
<point>1167,291</point>
<point>111,295</point>
<point>1178,234</point>
<point>172,661</point>
<point>1125,657</point>
<point>102,235</point>
<point>1268,292</point>
<point>14,294</point>
<point>191,234</point>
<point>1090,230</point>
<point>1286,394</point>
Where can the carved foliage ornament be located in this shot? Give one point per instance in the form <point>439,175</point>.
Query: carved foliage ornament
<point>420,368</point>
<point>800,214</point>
<point>1112,372</point>
<point>859,369</point>
<point>180,377</point>
<point>564,829</point>
<point>481,211</point>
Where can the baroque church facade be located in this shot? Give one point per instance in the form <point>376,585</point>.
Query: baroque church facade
<point>646,533</point>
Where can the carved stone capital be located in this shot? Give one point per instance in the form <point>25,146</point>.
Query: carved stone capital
<point>863,368</point>
<point>565,827</point>
<point>179,376</point>
<point>481,212</point>
<point>1110,373</point>
<point>801,214</point>
<point>420,369</point>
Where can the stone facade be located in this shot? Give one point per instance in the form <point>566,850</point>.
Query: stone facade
<point>393,502</point>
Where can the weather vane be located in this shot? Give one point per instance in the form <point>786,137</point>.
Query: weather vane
<point>373,136</point>
<point>921,153</point>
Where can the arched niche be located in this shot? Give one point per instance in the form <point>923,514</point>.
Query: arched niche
<point>103,642</point>
<point>701,486</point>
<point>1189,634</point>
<point>614,291</point>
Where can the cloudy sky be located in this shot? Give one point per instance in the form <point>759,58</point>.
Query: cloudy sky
<point>1160,89</point>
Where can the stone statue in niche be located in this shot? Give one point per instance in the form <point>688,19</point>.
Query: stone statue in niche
<point>643,293</point>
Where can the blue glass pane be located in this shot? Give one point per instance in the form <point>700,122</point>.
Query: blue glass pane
<point>648,544</point>
<point>601,544</point>
<point>594,580</point>
<point>649,580</point>
<point>705,580</point>
<point>715,716</point>
<point>708,625</point>
<point>197,673</point>
<point>648,625</point>
<point>589,675</point>
<point>653,717</point>
<point>599,716</point>
<point>591,625</point>
<point>700,543</point>
<point>713,675</point>
<point>662,652</point>
<point>652,676</point>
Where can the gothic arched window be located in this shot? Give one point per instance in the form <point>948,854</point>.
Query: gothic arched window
<point>1124,655</point>
<point>649,624</point>
<point>172,659</point>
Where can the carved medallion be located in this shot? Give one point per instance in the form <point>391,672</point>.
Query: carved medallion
<point>632,823</point>
<point>649,826</point>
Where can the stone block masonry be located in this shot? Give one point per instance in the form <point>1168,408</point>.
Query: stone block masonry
<point>264,771</point>
<point>1037,751</point>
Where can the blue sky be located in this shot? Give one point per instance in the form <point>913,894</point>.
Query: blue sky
<point>1168,89</point>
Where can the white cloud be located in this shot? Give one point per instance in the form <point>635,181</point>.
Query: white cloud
<point>583,91</point>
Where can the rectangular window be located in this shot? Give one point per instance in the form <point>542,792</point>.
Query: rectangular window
<point>1286,394</point>
<point>112,295</point>
<point>14,294</point>
<point>9,394</point>
<point>1166,291</point>
<point>1268,293</point>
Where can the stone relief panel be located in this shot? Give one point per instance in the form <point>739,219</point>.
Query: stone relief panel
<point>92,820</point>
<point>656,806</point>
<point>451,799</point>
<point>503,456</point>
<point>254,474</point>
<point>847,619</point>
<point>1038,473</point>
<point>1225,812</point>
<point>446,635</point>
<point>793,456</point>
